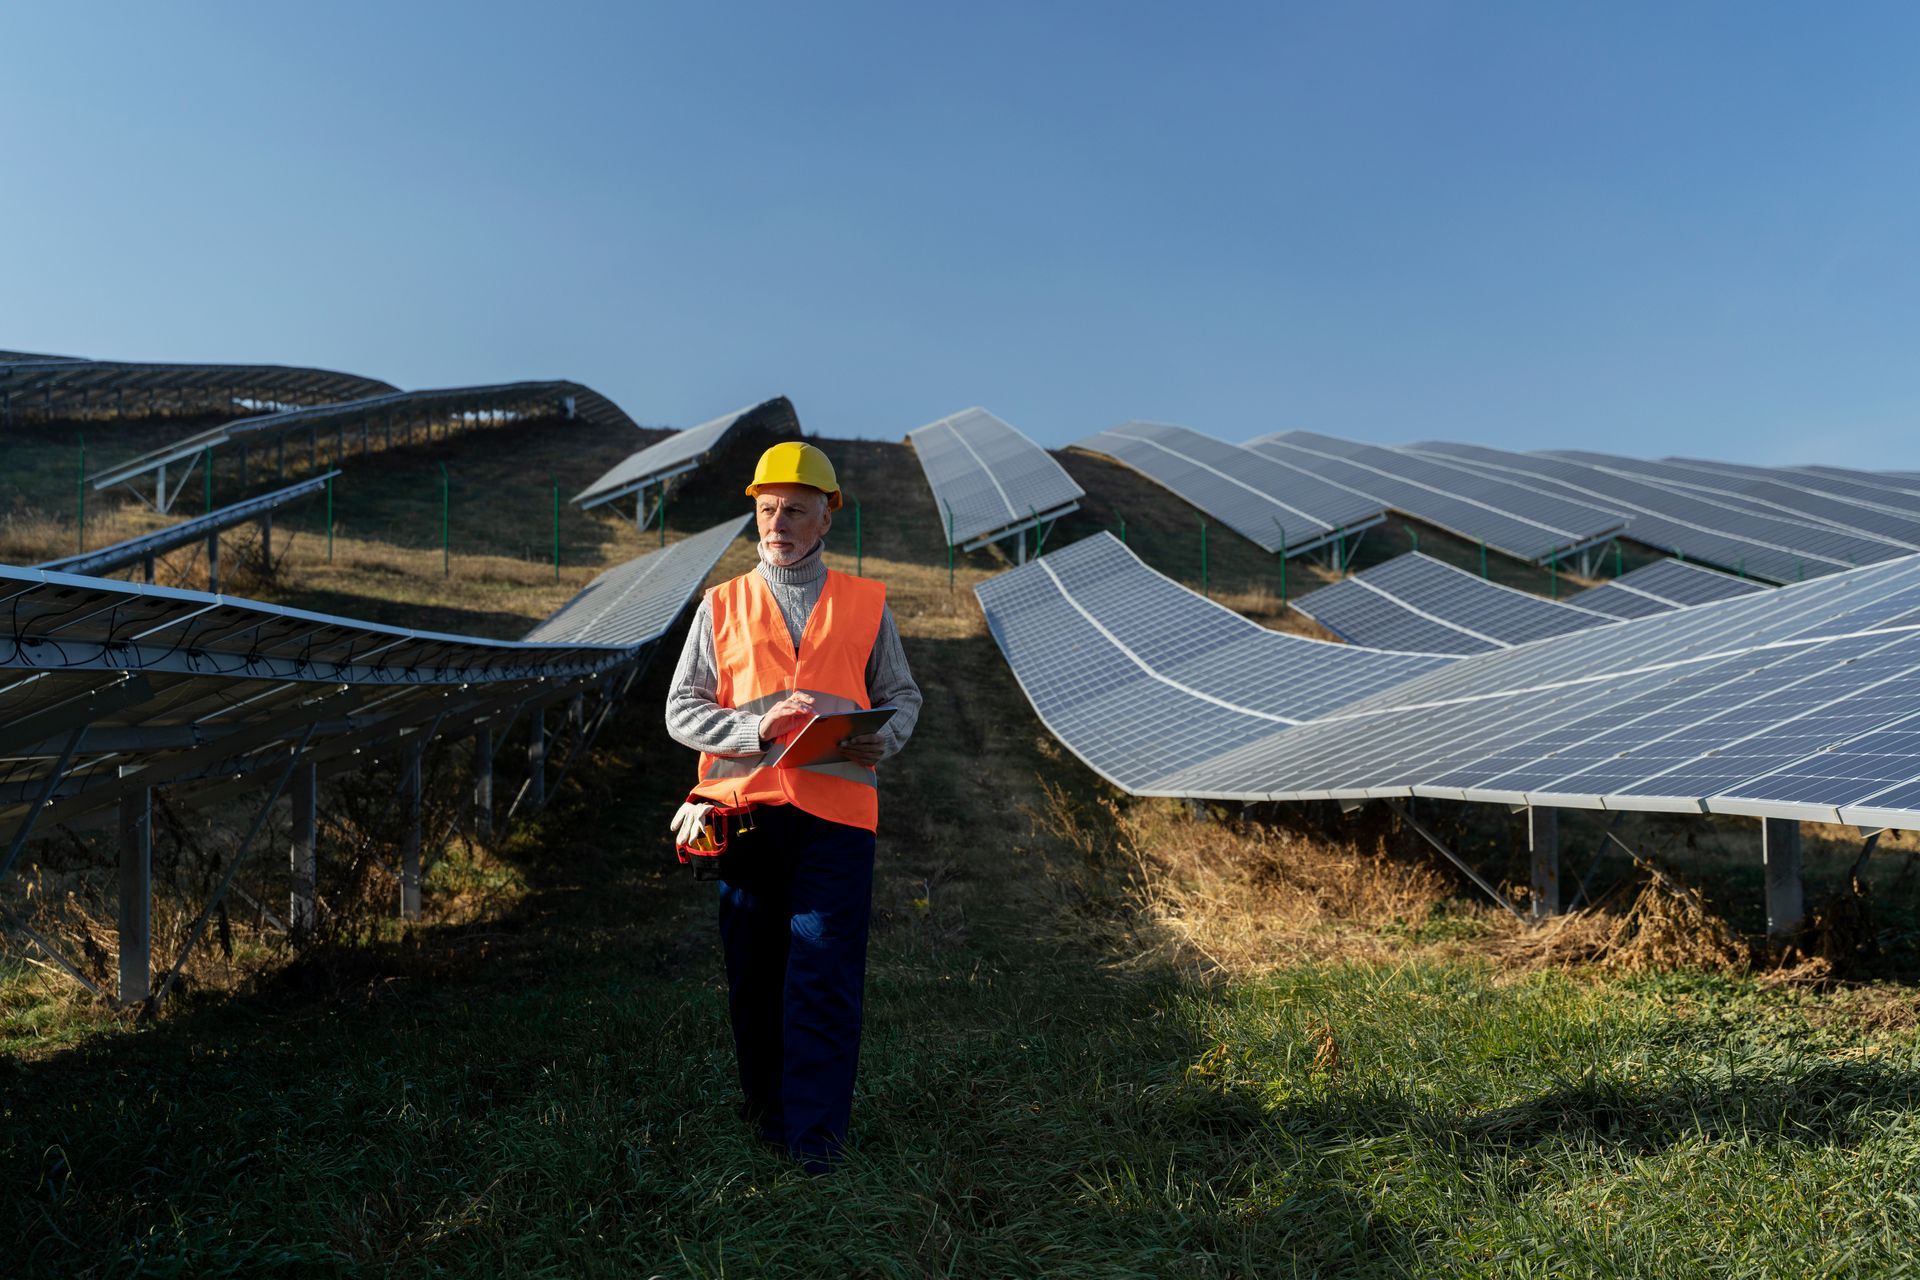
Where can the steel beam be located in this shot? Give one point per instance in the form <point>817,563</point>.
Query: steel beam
<point>1543,840</point>
<point>537,758</point>
<point>136,895</point>
<point>410,787</point>
<point>303,854</point>
<point>483,783</point>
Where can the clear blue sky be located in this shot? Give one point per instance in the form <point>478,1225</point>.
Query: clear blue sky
<point>1656,227</point>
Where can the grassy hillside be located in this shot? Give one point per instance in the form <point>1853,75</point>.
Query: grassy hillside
<point>1105,1037</point>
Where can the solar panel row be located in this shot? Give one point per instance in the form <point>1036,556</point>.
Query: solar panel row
<point>132,551</point>
<point>684,450</point>
<point>988,480</point>
<point>43,388</point>
<point>1416,603</point>
<point>1271,503</point>
<point>1660,586</point>
<point>1693,525</point>
<point>1795,704</point>
<point>1518,519</point>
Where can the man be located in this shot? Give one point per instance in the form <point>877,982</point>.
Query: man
<point>767,651</point>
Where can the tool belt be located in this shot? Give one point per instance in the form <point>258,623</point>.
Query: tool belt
<point>720,829</point>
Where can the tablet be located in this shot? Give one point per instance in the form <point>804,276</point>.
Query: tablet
<point>819,742</point>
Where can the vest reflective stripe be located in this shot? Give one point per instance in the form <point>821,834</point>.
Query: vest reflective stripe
<point>758,667</point>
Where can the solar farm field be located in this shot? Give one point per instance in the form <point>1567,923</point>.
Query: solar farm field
<point>1105,1036</point>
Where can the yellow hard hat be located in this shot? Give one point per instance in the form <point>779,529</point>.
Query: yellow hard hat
<point>793,462</point>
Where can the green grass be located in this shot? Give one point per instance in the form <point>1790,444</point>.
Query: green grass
<point>538,1082</point>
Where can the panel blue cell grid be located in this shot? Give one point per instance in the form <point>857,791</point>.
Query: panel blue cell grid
<point>1138,675</point>
<point>1417,603</point>
<point>1516,519</point>
<point>62,388</point>
<point>634,603</point>
<point>1865,488</point>
<point>1660,586</point>
<point>1692,526</point>
<point>989,481</point>
<point>1273,504</point>
<point>684,450</point>
<point>133,551</point>
<point>1766,496</point>
<point>1791,704</point>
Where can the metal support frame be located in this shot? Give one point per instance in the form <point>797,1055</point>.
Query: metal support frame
<point>1441,845</point>
<point>535,789</point>
<point>1543,843</point>
<point>1048,516</point>
<point>1786,891</point>
<point>233,866</point>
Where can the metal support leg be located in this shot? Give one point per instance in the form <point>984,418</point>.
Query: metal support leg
<point>147,564</point>
<point>213,562</point>
<point>410,850</point>
<point>303,856</point>
<point>1543,838</point>
<point>537,759</point>
<point>1786,894</point>
<point>483,784</point>
<point>160,489</point>
<point>136,895</point>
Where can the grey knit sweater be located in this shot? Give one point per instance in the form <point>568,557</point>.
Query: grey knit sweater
<point>694,717</point>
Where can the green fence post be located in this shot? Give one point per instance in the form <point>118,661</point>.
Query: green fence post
<point>949,546</point>
<point>1123,531</point>
<point>329,519</point>
<point>1618,559</point>
<point>1039,534</point>
<point>1483,557</point>
<point>1203,560</point>
<point>1283,560</point>
<point>1413,534</point>
<point>858,559</point>
<point>1799,570</point>
<point>80,493</point>
<point>1553,575</point>
<point>556,526</point>
<point>446,524</point>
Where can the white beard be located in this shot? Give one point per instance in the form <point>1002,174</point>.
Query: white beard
<point>785,559</point>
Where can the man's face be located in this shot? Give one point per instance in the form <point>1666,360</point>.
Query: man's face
<point>790,518</point>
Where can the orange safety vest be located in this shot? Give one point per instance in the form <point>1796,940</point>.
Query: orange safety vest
<point>753,651</point>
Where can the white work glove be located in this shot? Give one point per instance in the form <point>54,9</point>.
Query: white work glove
<point>688,822</point>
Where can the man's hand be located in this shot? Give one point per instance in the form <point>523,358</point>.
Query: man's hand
<point>864,748</point>
<point>785,716</point>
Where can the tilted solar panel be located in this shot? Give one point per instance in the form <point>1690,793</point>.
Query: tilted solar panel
<point>988,479</point>
<point>685,450</point>
<point>634,603</point>
<point>1660,586</point>
<point>1778,550</point>
<point>1137,675</point>
<point>1789,704</point>
<point>1267,501</point>
<point>134,550</point>
<point>1765,496</point>
<point>1517,519</point>
<point>1414,602</point>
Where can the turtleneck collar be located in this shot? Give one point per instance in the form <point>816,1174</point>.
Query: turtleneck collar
<point>811,567</point>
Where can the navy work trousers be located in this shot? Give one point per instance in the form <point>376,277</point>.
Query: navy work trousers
<point>794,909</point>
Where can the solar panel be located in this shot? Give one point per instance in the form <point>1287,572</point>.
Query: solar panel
<point>1660,586</point>
<point>133,551</point>
<point>44,388</point>
<point>1269,502</point>
<point>636,602</point>
<point>1763,495</point>
<point>1137,675</point>
<point>989,480</point>
<point>1695,525</point>
<point>1517,519</point>
<point>1853,486</point>
<point>1730,707</point>
<point>684,450</point>
<point>1416,603</point>
<point>364,421</point>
